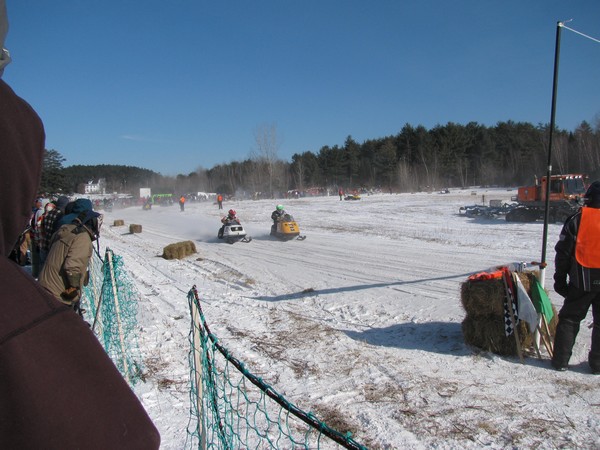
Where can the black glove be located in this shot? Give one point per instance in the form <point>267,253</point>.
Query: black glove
<point>70,293</point>
<point>561,288</point>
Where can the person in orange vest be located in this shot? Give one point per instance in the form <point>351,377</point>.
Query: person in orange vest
<point>578,259</point>
<point>182,203</point>
<point>220,201</point>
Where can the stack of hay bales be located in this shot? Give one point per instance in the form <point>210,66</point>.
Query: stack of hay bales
<point>135,228</point>
<point>179,250</point>
<point>483,327</point>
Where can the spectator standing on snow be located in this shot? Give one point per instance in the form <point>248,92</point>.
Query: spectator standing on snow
<point>341,194</point>
<point>52,218</point>
<point>66,270</point>
<point>59,388</point>
<point>73,209</point>
<point>36,230</point>
<point>54,211</point>
<point>220,201</point>
<point>44,238</point>
<point>578,259</point>
<point>182,203</point>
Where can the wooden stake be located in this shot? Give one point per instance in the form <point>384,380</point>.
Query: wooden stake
<point>548,335</point>
<point>196,326</point>
<point>118,316</point>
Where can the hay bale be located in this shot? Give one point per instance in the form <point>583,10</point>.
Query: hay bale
<point>133,228</point>
<point>118,223</point>
<point>486,297</point>
<point>487,333</point>
<point>179,250</point>
<point>483,298</point>
<point>483,327</point>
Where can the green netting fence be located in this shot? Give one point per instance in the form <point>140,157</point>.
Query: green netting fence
<point>110,301</point>
<point>231,408</point>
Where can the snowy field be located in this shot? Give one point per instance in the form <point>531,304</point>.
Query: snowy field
<point>362,318</point>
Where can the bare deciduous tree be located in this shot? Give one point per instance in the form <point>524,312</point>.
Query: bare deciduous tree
<point>267,148</point>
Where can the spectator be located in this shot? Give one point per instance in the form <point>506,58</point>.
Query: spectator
<point>54,211</point>
<point>52,218</point>
<point>220,201</point>
<point>59,389</point>
<point>578,259</point>
<point>44,237</point>
<point>72,210</point>
<point>36,236</point>
<point>66,271</point>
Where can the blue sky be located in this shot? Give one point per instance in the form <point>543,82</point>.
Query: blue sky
<point>174,85</point>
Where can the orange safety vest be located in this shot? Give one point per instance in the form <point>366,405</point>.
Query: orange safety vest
<point>587,248</point>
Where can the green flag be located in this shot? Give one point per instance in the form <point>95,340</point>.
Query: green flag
<point>541,301</point>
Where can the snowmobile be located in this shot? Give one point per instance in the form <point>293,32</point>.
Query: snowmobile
<point>232,232</point>
<point>286,229</point>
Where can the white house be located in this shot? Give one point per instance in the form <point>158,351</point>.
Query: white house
<point>95,188</point>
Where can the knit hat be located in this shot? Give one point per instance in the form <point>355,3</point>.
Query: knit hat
<point>592,196</point>
<point>78,206</point>
<point>61,202</point>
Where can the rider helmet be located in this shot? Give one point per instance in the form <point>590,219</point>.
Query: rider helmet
<point>279,207</point>
<point>232,212</point>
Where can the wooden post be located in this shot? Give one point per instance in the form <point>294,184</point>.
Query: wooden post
<point>118,314</point>
<point>196,324</point>
<point>548,336</point>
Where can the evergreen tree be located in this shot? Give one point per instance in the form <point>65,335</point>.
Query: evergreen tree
<point>53,180</point>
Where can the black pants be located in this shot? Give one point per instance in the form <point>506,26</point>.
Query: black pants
<point>574,310</point>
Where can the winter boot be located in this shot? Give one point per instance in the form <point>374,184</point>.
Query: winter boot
<point>566,332</point>
<point>594,355</point>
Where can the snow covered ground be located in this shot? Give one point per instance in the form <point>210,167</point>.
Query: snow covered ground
<point>362,318</point>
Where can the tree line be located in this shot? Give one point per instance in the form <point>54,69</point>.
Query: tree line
<point>445,156</point>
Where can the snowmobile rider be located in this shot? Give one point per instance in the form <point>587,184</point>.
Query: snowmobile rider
<point>230,217</point>
<point>277,216</point>
<point>578,258</point>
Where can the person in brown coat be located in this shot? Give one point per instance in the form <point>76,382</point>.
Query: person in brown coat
<point>58,387</point>
<point>65,272</point>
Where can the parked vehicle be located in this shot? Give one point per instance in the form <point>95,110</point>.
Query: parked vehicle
<point>566,193</point>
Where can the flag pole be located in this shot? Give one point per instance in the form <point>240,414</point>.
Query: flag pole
<point>543,263</point>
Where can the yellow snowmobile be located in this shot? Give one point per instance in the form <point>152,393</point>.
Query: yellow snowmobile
<point>286,229</point>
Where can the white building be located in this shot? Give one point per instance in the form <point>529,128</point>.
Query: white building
<point>95,188</point>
